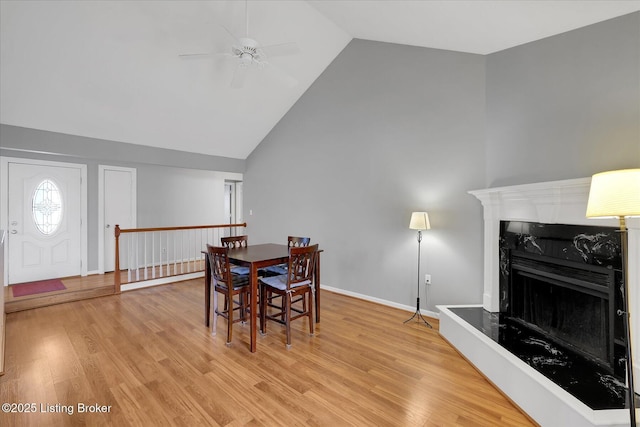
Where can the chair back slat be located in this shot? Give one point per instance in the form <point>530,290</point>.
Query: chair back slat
<point>294,241</point>
<point>235,242</point>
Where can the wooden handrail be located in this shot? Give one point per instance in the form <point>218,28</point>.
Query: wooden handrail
<point>187,227</point>
<point>118,231</point>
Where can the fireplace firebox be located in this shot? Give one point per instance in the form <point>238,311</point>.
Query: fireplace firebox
<point>564,282</point>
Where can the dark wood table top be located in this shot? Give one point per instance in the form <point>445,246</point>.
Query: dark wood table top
<point>259,253</point>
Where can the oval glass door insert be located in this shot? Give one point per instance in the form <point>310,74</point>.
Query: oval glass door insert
<point>46,207</point>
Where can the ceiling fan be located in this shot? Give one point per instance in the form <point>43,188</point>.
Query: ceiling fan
<point>249,54</point>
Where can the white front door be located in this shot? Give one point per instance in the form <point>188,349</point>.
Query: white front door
<point>45,222</point>
<point>118,205</point>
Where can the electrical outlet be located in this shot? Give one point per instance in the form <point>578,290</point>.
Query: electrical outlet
<point>427,279</point>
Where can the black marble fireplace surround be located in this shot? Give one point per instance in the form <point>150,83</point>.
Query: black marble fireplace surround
<point>560,289</point>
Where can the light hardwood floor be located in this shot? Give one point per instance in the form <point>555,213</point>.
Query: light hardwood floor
<point>147,355</point>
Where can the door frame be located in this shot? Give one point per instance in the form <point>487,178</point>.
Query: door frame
<point>101,205</point>
<point>4,198</point>
<point>236,200</point>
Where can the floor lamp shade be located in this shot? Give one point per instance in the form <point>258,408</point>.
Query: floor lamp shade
<point>419,221</point>
<point>614,194</point>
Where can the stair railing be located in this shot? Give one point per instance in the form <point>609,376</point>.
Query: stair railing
<point>146,254</point>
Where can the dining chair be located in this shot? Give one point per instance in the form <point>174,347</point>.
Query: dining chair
<point>234,242</point>
<point>229,285</point>
<point>276,270</point>
<point>292,242</point>
<point>298,282</point>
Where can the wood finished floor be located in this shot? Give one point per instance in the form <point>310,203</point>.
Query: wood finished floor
<point>148,355</point>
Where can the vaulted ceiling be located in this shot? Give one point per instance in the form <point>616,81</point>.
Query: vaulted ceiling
<point>111,69</point>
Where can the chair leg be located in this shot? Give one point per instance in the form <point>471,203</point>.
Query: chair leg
<point>214,324</point>
<point>229,297</point>
<point>244,305</point>
<point>310,312</point>
<point>263,310</point>
<point>287,298</point>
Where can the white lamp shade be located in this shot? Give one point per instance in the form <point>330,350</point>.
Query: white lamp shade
<point>419,221</point>
<point>614,194</point>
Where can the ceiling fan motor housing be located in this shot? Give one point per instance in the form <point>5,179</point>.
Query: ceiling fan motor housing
<point>248,52</point>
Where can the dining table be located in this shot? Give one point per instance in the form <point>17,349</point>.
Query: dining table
<point>256,257</point>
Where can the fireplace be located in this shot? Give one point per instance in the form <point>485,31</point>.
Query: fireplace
<point>564,282</point>
<point>535,256</point>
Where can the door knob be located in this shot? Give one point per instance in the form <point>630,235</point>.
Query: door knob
<point>14,231</point>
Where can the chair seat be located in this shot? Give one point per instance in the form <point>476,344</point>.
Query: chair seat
<point>238,282</point>
<point>276,269</point>
<point>237,269</point>
<point>280,282</point>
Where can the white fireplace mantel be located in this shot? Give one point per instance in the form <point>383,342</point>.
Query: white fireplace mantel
<point>554,202</point>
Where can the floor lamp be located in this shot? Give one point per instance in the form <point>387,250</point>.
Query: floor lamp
<point>617,194</point>
<point>419,221</point>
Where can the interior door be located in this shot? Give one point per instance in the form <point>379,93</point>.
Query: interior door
<point>228,203</point>
<point>45,222</point>
<point>119,208</point>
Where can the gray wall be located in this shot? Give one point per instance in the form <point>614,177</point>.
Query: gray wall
<point>174,187</point>
<point>565,107</point>
<point>386,130</point>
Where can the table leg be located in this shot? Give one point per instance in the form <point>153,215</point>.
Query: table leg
<point>207,292</point>
<point>254,306</point>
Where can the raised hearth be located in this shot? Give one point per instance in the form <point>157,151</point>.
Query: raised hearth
<point>544,400</point>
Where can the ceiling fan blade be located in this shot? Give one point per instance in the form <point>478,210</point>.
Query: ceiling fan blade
<point>280,49</point>
<point>196,55</point>
<point>239,77</point>
<point>233,36</point>
<point>206,55</point>
<point>283,77</point>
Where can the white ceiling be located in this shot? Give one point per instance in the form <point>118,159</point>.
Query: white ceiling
<point>111,70</point>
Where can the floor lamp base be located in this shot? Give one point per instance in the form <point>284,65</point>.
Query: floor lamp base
<point>418,316</point>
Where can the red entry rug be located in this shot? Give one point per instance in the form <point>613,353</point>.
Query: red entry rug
<point>39,287</point>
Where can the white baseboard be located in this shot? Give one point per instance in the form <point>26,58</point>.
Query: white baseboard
<point>428,313</point>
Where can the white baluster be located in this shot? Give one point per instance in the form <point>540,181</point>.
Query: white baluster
<point>137,257</point>
<point>153,254</point>
<point>168,267</point>
<point>129,261</point>
<point>145,257</point>
<point>175,254</point>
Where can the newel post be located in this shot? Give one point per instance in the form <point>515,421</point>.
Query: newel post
<point>116,276</point>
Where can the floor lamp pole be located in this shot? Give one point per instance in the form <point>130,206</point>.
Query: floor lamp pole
<point>627,321</point>
<point>417,314</point>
